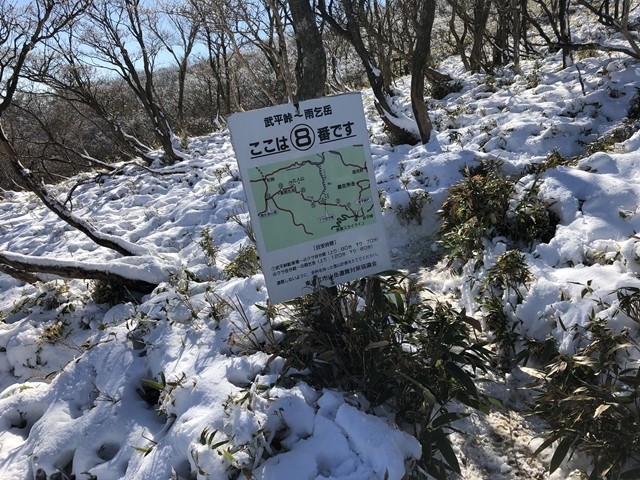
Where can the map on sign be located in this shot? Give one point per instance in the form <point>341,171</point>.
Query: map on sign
<point>311,191</point>
<point>312,197</point>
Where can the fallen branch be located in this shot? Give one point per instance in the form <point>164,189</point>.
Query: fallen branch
<point>142,276</point>
<point>19,274</point>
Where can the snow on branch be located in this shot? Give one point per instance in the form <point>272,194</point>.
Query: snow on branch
<point>141,274</point>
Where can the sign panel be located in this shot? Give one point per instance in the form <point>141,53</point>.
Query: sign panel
<point>311,190</point>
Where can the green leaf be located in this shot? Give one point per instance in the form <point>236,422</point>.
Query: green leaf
<point>447,418</point>
<point>219,444</point>
<point>204,435</point>
<point>380,344</point>
<point>533,372</point>
<point>545,444</point>
<point>429,397</point>
<point>144,450</point>
<point>463,378</point>
<point>630,380</point>
<point>228,455</point>
<point>495,402</point>
<point>399,303</point>
<point>444,446</point>
<point>560,453</point>
<point>153,384</point>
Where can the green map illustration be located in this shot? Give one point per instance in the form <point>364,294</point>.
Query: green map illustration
<point>312,196</point>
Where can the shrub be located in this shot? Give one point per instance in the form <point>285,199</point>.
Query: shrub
<point>530,220</point>
<point>629,302</point>
<point>608,141</point>
<point>110,293</point>
<point>208,246</point>
<point>633,113</point>
<point>553,160</point>
<point>373,337</point>
<point>440,88</point>
<point>473,209</point>
<point>245,264</point>
<point>501,289</point>
<point>591,404</point>
<point>485,205</point>
<point>412,211</point>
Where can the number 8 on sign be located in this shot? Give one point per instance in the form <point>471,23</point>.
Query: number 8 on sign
<point>302,137</point>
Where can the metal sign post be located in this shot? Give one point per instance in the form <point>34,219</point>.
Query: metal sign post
<point>311,189</point>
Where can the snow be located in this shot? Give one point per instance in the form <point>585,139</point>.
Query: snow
<point>73,372</point>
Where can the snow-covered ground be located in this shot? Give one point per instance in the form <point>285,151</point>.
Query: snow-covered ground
<point>80,380</point>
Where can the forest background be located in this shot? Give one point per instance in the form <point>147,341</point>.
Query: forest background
<point>86,83</point>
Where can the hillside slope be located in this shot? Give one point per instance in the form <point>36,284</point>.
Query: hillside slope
<point>180,384</point>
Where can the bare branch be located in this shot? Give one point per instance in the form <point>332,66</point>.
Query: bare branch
<point>25,267</point>
<point>19,274</point>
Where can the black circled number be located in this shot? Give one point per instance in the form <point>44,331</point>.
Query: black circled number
<point>302,137</point>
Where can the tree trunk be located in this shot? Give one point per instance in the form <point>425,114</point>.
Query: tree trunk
<point>503,29</point>
<point>516,6</point>
<point>565,36</point>
<point>311,67</point>
<point>421,54</point>
<point>624,27</point>
<point>381,20</point>
<point>480,17</point>
<point>19,274</point>
<point>283,50</point>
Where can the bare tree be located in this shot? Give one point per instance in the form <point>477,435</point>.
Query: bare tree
<point>517,7</point>
<point>253,28</point>
<point>218,56</point>
<point>55,138</point>
<point>179,38</point>
<point>21,31</point>
<point>262,25</point>
<point>347,23</point>
<point>118,37</point>
<point>503,28</point>
<point>481,11</point>
<point>387,35</point>
<point>617,18</point>
<point>487,26</point>
<point>220,65</point>
<point>353,18</point>
<point>565,31</point>
<point>79,83</point>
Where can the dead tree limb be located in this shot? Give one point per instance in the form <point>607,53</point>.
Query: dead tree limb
<point>19,274</point>
<point>26,268</point>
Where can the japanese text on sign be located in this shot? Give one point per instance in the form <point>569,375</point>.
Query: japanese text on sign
<point>308,113</point>
<point>311,190</point>
<point>302,137</point>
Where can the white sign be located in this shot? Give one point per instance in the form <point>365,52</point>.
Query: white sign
<point>311,189</point>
